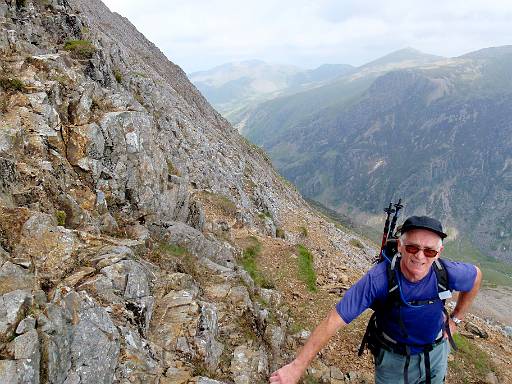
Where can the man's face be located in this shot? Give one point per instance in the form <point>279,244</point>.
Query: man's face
<point>416,266</point>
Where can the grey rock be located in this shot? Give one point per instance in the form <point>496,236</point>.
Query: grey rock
<point>128,277</point>
<point>181,281</point>
<point>14,277</point>
<point>247,363</point>
<point>108,224</point>
<point>112,255</point>
<point>239,297</point>
<point>101,202</point>
<point>138,359</point>
<point>79,334</point>
<point>271,296</point>
<point>50,246</point>
<point>27,357</point>
<point>142,310</point>
<point>275,336</point>
<point>337,374</point>
<point>177,375</point>
<point>206,342</point>
<point>352,376</point>
<point>137,284</point>
<point>269,227</point>
<point>490,378</point>
<point>175,315</point>
<point>101,286</point>
<point>183,346</point>
<point>73,378</point>
<point>8,373</point>
<point>25,325</point>
<point>138,232</point>
<point>4,255</point>
<point>80,111</point>
<point>302,335</point>
<point>206,380</point>
<point>39,297</point>
<point>12,307</point>
<point>247,279</point>
<point>76,216</point>
<point>477,331</point>
<point>508,330</point>
<point>196,218</point>
<point>196,243</point>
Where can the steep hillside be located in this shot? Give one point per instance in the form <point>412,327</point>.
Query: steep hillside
<point>437,134</point>
<point>126,204</point>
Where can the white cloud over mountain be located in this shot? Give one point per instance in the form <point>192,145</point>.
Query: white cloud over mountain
<point>201,34</point>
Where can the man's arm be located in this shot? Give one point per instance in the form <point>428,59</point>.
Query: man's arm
<point>465,299</point>
<point>291,373</point>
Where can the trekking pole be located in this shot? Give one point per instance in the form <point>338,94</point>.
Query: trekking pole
<point>398,207</point>
<point>389,210</point>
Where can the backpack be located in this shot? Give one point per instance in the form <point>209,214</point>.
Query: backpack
<point>375,339</point>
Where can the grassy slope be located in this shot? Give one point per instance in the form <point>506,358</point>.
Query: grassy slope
<point>495,272</point>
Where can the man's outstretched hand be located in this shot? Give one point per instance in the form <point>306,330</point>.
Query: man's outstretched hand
<point>289,374</point>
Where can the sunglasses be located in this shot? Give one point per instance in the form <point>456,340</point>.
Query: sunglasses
<point>414,249</point>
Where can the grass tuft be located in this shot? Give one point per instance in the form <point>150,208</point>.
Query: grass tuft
<point>10,84</point>
<point>118,76</point>
<point>172,249</point>
<point>249,263</point>
<point>171,169</point>
<point>306,268</point>
<point>356,243</point>
<point>61,217</point>
<point>81,49</point>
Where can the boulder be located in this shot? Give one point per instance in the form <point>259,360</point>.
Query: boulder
<point>248,365</point>
<point>475,330</point>
<point>79,339</point>
<point>196,243</point>
<point>50,246</point>
<point>28,357</point>
<point>13,306</point>
<point>207,346</point>
<point>176,315</point>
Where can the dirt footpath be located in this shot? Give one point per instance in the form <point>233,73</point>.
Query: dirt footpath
<point>494,303</point>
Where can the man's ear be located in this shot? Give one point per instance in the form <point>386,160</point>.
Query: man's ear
<point>398,244</point>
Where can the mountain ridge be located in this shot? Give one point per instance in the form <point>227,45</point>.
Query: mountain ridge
<point>355,112</point>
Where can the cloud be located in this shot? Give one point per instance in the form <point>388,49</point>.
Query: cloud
<point>198,34</point>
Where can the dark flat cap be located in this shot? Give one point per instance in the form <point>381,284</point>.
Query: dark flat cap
<point>423,222</point>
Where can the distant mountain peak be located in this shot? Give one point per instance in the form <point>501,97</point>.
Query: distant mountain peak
<point>489,53</point>
<point>401,55</point>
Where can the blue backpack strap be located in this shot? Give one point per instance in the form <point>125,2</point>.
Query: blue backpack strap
<point>394,299</point>
<point>444,292</point>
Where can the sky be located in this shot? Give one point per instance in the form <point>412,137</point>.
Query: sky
<point>201,34</point>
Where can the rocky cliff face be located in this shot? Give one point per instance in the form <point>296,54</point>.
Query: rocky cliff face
<point>120,192</point>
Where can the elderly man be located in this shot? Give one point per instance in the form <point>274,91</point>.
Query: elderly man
<point>409,330</point>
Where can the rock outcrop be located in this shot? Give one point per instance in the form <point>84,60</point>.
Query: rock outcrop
<point>107,156</point>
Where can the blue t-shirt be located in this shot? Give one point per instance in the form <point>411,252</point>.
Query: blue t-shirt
<point>423,324</point>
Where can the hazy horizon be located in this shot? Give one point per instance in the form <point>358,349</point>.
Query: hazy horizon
<point>200,35</point>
